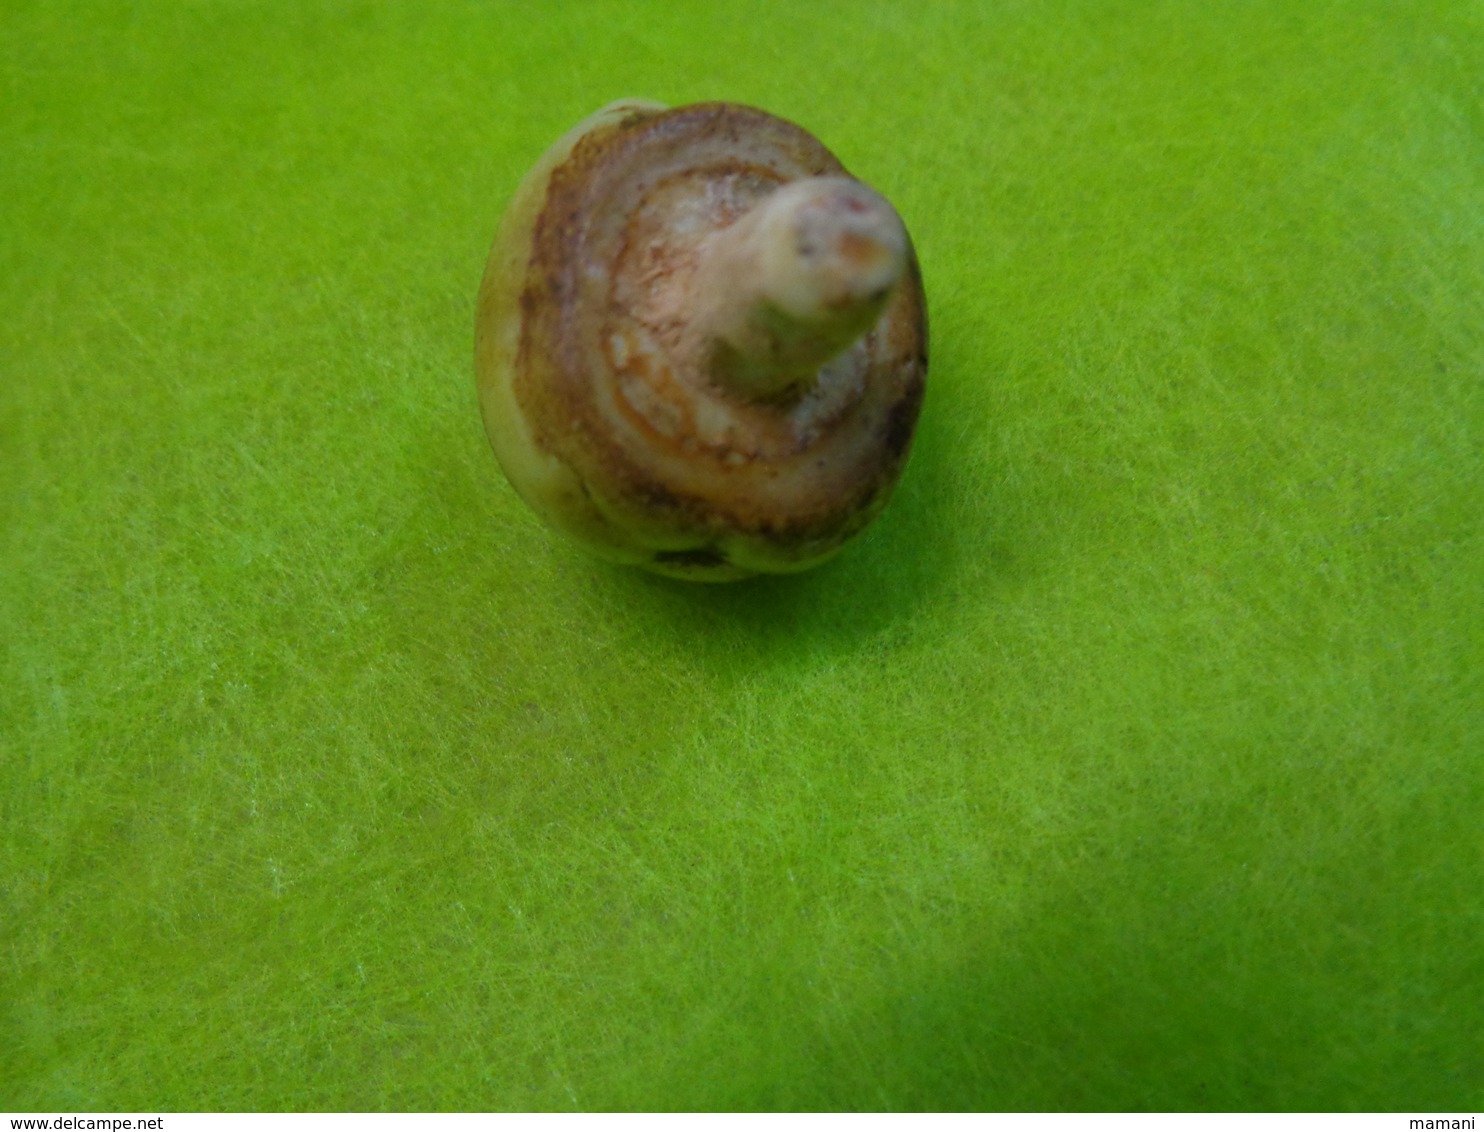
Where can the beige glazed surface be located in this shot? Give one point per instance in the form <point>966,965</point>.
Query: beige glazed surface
<point>701,346</point>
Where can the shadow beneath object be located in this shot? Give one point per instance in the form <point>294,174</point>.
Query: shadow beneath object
<point>879,582</point>
<point>501,583</point>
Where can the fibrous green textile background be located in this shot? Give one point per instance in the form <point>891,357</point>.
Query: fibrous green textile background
<point>1133,760</point>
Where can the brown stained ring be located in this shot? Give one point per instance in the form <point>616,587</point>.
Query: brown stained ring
<point>555,379</point>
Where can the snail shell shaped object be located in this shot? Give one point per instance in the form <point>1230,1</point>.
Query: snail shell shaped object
<point>701,345</point>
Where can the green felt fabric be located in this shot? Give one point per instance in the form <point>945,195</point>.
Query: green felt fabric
<point>1132,760</point>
